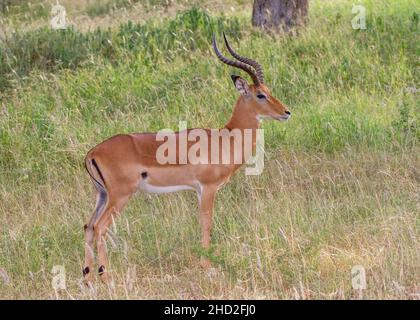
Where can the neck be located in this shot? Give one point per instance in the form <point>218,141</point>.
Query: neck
<point>242,117</point>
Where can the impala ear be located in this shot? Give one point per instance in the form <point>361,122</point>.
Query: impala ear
<point>240,84</point>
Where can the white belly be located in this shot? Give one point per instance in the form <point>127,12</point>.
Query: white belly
<point>149,188</point>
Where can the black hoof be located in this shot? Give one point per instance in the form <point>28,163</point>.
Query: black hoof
<point>85,271</point>
<point>101,270</point>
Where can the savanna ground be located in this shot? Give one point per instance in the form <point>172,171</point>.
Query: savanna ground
<point>340,186</point>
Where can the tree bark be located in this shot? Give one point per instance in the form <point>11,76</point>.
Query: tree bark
<point>284,14</point>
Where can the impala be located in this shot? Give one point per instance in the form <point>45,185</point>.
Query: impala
<point>127,163</point>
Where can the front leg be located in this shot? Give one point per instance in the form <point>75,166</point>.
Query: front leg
<point>206,199</point>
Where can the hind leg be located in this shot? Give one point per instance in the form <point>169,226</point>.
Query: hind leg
<point>113,207</point>
<point>101,199</point>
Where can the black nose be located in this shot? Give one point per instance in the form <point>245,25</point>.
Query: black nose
<point>288,112</point>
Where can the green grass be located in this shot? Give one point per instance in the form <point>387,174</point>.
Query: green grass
<point>107,7</point>
<point>50,50</point>
<point>340,186</point>
<point>24,10</point>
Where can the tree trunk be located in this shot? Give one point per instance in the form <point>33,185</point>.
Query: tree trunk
<point>279,13</point>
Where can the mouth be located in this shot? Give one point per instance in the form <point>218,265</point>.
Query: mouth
<point>283,117</point>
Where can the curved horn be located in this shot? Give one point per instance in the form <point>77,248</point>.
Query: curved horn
<point>235,64</point>
<point>246,60</point>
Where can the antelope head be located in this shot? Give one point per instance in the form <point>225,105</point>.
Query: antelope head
<point>257,96</point>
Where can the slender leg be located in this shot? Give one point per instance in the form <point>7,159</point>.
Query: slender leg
<point>89,255</point>
<point>101,229</point>
<point>101,199</point>
<point>206,218</point>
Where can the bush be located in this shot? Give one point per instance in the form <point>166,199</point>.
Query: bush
<point>52,50</point>
<point>190,30</point>
<point>48,50</point>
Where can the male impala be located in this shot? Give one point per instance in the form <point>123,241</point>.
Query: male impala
<point>127,163</point>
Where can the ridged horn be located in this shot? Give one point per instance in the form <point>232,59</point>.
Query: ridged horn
<point>236,64</point>
<point>253,63</point>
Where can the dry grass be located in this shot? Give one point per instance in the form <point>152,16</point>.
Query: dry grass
<point>78,18</point>
<point>294,232</point>
<point>341,185</point>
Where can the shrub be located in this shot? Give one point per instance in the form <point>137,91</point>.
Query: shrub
<point>48,50</point>
<point>51,50</point>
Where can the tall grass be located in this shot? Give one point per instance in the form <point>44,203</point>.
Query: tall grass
<point>23,9</point>
<point>107,7</point>
<point>341,182</point>
<point>51,50</point>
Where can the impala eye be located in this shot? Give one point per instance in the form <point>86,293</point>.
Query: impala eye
<point>261,96</point>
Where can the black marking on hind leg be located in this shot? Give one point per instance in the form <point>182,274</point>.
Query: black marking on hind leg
<point>144,174</point>
<point>99,171</point>
<point>85,271</point>
<point>101,270</point>
<point>99,209</point>
<point>85,227</point>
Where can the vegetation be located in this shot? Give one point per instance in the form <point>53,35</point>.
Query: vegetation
<point>341,181</point>
<point>48,50</point>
